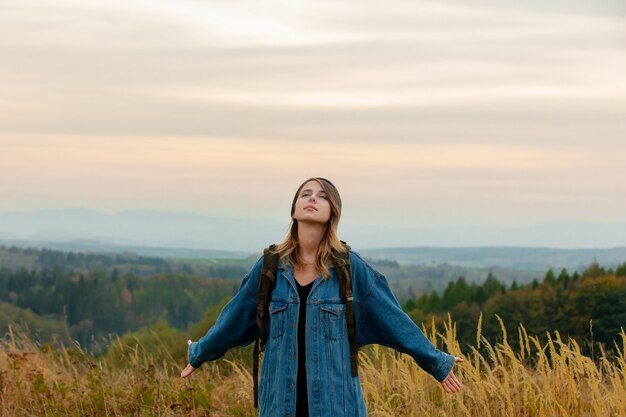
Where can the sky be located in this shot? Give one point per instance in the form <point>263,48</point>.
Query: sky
<point>423,113</point>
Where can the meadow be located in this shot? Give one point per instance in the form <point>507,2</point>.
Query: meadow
<point>518,376</point>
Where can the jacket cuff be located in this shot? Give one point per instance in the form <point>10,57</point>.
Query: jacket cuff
<point>443,368</point>
<point>192,357</point>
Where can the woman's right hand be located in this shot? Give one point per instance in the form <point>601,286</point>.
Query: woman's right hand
<point>451,384</point>
<point>188,369</point>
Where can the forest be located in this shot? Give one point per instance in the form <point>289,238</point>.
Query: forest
<point>92,298</point>
<point>588,307</point>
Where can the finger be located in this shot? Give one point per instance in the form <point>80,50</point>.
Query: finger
<point>449,387</point>
<point>454,382</point>
<point>451,383</point>
<point>458,360</point>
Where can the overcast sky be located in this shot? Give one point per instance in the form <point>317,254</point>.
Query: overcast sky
<point>422,112</point>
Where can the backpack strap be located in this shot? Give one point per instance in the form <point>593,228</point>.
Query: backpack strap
<point>267,280</point>
<point>344,276</point>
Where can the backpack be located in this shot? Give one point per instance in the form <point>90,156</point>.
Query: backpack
<point>267,281</point>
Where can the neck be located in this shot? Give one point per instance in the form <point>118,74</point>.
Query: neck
<point>309,238</point>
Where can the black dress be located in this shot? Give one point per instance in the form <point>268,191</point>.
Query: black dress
<point>302,400</point>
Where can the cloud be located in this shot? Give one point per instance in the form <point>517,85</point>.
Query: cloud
<point>517,106</point>
<point>300,69</point>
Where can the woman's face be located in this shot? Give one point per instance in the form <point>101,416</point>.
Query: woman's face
<point>312,204</point>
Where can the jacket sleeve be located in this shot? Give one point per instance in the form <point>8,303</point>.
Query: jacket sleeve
<point>382,321</point>
<point>235,326</point>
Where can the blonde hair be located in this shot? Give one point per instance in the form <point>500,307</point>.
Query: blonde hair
<point>288,249</point>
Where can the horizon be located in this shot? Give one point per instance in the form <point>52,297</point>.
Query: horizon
<point>188,230</point>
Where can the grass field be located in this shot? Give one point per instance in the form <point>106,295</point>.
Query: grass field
<point>519,377</point>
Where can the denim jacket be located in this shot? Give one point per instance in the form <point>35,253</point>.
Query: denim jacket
<point>332,391</point>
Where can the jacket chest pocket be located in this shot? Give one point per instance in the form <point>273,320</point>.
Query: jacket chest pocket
<point>334,318</point>
<point>277,312</point>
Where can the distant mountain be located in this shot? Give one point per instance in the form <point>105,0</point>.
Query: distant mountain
<point>182,234</point>
<point>137,228</point>
<point>520,258</point>
<point>564,235</point>
<point>94,246</point>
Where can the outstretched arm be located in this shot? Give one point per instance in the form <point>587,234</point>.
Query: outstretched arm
<point>381,320</point>
<point>235,326</point>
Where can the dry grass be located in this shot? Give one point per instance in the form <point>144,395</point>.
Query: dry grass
<point>41,381</point>
<point>534,379</point>
<point>529,379</point>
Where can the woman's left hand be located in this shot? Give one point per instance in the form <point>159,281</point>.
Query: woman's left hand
<point>188,369</point>
<point>451,383</point>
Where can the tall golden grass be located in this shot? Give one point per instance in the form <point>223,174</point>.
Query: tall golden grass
<point>530,378</point>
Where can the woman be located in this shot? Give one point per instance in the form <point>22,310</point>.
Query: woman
<point>306,367</point>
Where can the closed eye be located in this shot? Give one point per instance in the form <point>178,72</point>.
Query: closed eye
<point>321,194</point>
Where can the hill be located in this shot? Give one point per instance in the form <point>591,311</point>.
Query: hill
<point>522,258</point>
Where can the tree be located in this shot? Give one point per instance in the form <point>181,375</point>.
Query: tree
<point>549,279</point>
<point>411,304</point>
<point>455,293</point>
<point>492,285</point>
<point>564,278</point>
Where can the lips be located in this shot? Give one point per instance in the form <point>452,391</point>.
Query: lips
<point>310,207</point>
